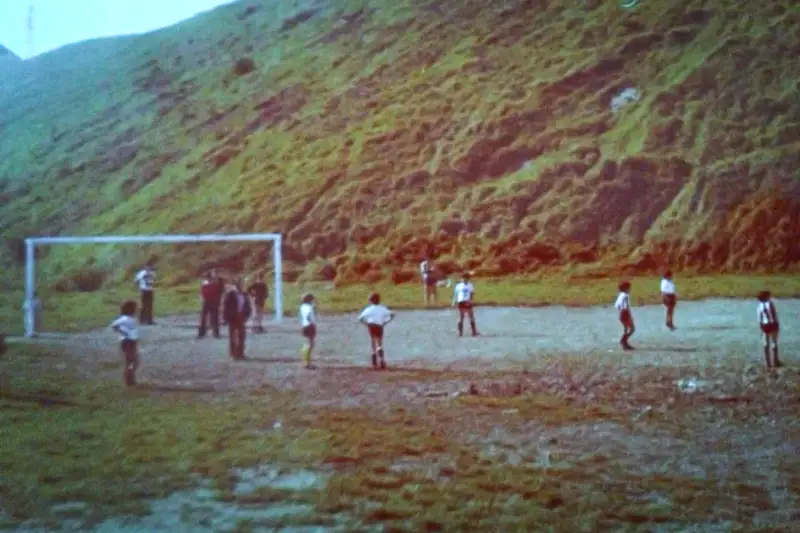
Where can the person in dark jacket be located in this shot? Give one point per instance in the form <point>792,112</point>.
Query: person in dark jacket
<point>259,291</point>
<point>237,311</point>
<point>211,295</point>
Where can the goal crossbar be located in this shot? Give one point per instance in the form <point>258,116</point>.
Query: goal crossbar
<point>30,259</point>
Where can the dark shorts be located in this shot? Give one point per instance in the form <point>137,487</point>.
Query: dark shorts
<point>260,304</point>
<point>310,332</point>
<point>129,350</point>
<point>670,300</point>
<point>375,331</point>
<point>429,280</point>
<point>464,306</point>
<point>769,329</point>
<point>626,318</point>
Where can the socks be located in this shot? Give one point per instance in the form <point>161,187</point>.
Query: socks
<point>306,351</point>
<point>474,327</point>
<point>460,328</point>
<point>767,357</point>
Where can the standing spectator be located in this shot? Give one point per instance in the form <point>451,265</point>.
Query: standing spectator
<point>128,330</point>
<point>260,292</point>
<point>462,296</point>
<point>211,295</point>
<point>770,327</point>
<point>223,290</point>
<point>623,305</point>
<point>146,279</point>
<point>669,297</point>
<point>428,274</point>
<point>308,325</point>
<point>237,313</point>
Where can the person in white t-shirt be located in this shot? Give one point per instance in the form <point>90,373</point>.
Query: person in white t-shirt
<point>770,327</point>
<point>623,305</point>
<point>429,281</point>
<point>463,298</point>
<point>669,297</point>
<point>145,280</point>
<point>375,316</point>
<point>128,330</point>
<point>308,324</point>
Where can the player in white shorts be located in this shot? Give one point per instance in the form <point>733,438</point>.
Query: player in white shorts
<point>463,298</point>
<point>375,316</point>
<point>770,327</point>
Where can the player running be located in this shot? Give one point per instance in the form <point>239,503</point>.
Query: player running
<point>375,316</point>
<point>770,327</point>
<point>463,297</point>
<point>623,305</point>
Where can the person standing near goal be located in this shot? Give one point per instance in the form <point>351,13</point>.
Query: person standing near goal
<point>375,316</point>
<point>128,330</point>
<point>211,294</point>
<point>623,306</point>
<point>463,297</point>
<point>259,291</point>
<point>237,313</point>
<point>146,279</point>
<point>770,327</point>
<point>669,297</point>
<point>308,325</point>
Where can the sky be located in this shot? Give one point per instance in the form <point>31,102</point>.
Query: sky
<point>60,22</point>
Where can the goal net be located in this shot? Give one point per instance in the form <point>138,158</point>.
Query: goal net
<point>32,306</point>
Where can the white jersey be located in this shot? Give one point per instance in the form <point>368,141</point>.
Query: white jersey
<point>127,326</point>
<point>378,315</point>
<point>623,302</point>
<point>667,286</point>
<point>307,316</point>
<point>424,268</point>
<point>146,279</point>
<point>464,292</point>
<point>767,313</point>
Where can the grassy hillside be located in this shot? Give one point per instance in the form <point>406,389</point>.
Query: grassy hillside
<point>371,132</point>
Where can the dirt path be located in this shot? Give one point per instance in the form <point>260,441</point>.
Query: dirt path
<point>710,332</point>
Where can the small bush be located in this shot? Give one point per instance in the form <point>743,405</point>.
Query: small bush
<point>87,280</point>
<point>243,66</point>
<point>400,275</point>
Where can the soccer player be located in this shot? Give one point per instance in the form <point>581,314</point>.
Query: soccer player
<point>463,297</point>
<point>128,330</point>
<point>237,312</point>
<point>259,291</point>
<point>623,305</point>
<point>375,316</point>
<point>308,323</point>
<point>770,327</point>
<point>669,297</point>
<point>428,274</point>
<point>146,279</point>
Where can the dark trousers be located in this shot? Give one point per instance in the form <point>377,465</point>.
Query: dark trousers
<point>209,316</point>
<point>146,312</point>
<point>236,338</point>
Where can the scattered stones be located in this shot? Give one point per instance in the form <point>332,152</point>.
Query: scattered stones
<point>624,98</point>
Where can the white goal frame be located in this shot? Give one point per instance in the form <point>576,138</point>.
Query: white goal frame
<point>30,260</point>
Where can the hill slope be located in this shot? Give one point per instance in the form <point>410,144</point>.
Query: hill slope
<point>371,131</point>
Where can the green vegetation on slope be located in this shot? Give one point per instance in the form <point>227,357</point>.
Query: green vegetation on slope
<point>371,132</point>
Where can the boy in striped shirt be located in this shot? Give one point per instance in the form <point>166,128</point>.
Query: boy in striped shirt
<point>375,316</point>
<point>770,327</point>
<point>128,330</point>
<point>623,305</point>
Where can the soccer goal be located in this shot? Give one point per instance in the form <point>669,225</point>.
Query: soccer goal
<point>30,260</point>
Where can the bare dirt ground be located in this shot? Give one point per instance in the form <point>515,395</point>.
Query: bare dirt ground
<point>710,370</point>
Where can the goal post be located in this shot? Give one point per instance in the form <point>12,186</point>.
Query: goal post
<point>32,242</point>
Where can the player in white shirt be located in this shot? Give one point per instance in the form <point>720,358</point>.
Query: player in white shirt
<point>145,280</point>
<point>669,297</point>
<point>623,305</point>
<point>429,284</point>
<point>308,323</point>
<point>770,327</point>
<point>463,296</point>
<point>375,316</point>
<point>128,330</point>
